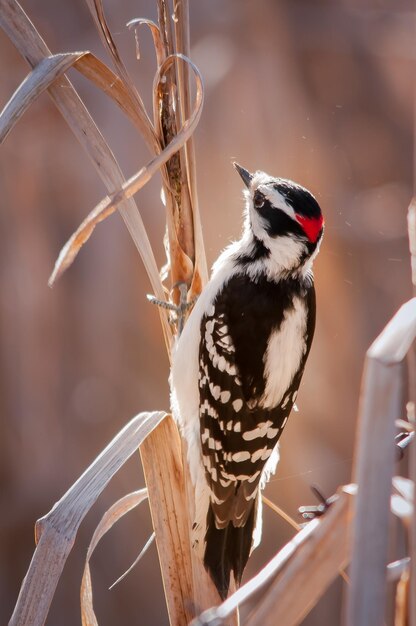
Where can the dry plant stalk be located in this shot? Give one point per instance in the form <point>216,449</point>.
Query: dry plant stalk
<point>412,534</point>
<point>402,601</point>
<point>294,580</point>
<point>374,464</point>
<point>169,139</point>
<point>411,224</point>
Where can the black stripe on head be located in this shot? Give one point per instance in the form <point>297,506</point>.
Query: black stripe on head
<point>300,199</point>
<point>277,222</point>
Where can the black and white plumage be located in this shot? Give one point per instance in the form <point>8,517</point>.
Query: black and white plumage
<point>238,365</point>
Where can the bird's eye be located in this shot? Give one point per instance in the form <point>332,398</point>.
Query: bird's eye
<point>258,200</point>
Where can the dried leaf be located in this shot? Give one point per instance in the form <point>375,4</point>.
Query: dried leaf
<point>396,569</point>
<point>55,532</point>
<point>98,73</point>
<point>97,11</point>
<point>405,487</point>
<point>411,227</point>
<point>110,203</point>
<point>374,460</point>
<point>50,68</point>
<point>404,425</point>
<point>392,345</point>
<point>157,40</point>
<point>39,79</point>
<point>136,560</point>
<point>402,502</point>
<point>401,508</point>
<point>27,40</point>
<point>110,517</point>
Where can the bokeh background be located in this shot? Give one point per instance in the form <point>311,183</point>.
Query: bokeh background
<point>314,90</point>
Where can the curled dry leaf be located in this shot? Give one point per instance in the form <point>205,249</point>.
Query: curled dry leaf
<point>52,67</point>
<point>30,44</point>
<point>157,39</point>
<point>97,12</point>
<point>394,342</point>
<point>110,203</point>
<point>39,79</point>
<point>110,517</point>
<point>55,532</point>
<point>113,86</point>
<point>136,560</point>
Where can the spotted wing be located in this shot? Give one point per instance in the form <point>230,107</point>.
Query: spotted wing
<point>237,435</point>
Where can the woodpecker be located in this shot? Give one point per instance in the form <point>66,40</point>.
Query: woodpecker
<point>238,364</point>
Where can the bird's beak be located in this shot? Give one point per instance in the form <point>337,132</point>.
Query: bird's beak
<point>245,174</point>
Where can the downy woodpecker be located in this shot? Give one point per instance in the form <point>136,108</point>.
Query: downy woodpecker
<point>238,364</point>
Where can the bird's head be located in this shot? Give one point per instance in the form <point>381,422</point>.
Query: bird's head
<point>284,216</point>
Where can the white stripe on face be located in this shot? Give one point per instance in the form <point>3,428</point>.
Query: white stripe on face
<point>277,200</point>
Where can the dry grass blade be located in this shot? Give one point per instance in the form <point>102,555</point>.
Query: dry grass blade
<point>97,11</point>
<point>27,40</point>
<point>281,513</point>
<point>412,538</point>
<point>136,561</point>
<point>392,345</point>
<point>110,517</point>
<point>109,204</point>
<point>55,532</point>
<point>381,402</point>
<point>49,69</point>
<point>41,77</point>
<point>157,39</point>
<point>396,569</point>
<point>290,584</point>
<point>294,525</point>
<point>411,221</point>
<point>98,73</point>
<point>411,226</point>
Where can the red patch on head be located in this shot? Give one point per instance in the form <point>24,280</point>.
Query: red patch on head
<point>311,225</point>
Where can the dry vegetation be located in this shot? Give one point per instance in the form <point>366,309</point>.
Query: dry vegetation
<point>356,526</point>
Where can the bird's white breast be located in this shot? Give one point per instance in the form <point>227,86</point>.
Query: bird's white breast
<point>286,348</point>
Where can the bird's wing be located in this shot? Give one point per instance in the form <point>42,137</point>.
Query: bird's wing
<point>237,436</point>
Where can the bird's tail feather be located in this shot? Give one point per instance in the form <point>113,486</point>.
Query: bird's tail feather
<point>227,550</point>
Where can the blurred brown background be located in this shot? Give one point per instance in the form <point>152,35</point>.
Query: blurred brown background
<point>317,91</point>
